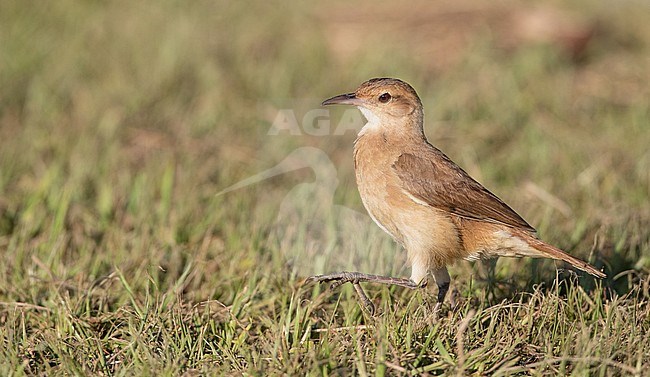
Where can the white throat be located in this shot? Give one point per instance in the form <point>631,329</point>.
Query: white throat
<point>373,120</point>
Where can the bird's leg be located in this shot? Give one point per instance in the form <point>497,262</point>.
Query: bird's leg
<point>355,278</point>
<point>442,281</point>
<point>340,278</point>
<point>363,297</point>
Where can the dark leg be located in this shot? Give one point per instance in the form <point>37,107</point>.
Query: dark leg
<point>355,278</point>
<point>364,298</point>
<point>442,281</point>
<point>442,291</point>
<point>349,277</point>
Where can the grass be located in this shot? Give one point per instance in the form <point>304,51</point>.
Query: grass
<point>120,122</point>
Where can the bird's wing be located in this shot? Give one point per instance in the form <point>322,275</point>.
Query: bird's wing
<point>437,181</point>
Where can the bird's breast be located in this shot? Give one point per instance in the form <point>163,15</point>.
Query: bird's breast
<point>381,189</point>
<point>376,182</point>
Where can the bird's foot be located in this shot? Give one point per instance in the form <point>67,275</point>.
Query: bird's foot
<point>340,278</point>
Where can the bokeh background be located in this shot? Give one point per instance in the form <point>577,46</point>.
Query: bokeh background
<point>122,122</point>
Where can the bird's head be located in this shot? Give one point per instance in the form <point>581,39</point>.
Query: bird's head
<point>383,100</point>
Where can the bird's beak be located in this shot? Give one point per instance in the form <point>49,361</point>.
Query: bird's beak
<point>343,99</point>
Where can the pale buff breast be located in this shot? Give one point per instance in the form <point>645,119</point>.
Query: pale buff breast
<point>373,178</point>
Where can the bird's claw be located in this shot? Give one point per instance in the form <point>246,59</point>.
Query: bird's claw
<point>342,278</point>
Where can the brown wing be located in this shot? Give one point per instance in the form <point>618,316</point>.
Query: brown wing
<point>436,180</point>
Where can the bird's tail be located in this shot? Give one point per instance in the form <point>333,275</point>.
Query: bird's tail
<point>549,251</point>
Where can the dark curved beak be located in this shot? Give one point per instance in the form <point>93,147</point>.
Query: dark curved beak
<point>343,99</point>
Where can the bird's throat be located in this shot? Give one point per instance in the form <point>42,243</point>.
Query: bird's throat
<point>373,122</point>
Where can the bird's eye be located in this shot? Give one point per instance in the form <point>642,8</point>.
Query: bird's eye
<point>384,98</point>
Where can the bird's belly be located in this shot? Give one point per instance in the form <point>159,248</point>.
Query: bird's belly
<point>375,201</point>
<point>429,235</point>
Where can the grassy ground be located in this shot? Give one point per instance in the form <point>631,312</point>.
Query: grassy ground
<point>121,121</point>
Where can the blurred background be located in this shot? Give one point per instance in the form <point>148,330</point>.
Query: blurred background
<point>168,178</point>
<point>121,121</point>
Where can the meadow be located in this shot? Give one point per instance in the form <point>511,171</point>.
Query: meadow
<point>124,124</point>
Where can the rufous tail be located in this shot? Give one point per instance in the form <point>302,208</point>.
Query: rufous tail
<point>549,251</point>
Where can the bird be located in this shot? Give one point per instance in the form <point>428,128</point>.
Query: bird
<point>423,200</point>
